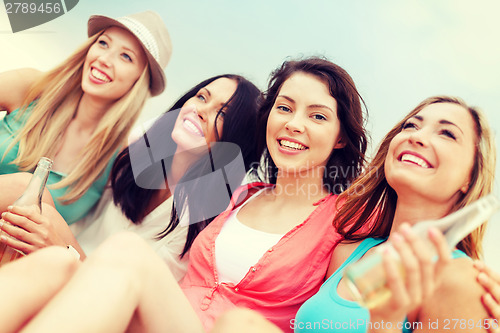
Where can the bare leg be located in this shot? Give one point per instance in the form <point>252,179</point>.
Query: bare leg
<point>122,280</point>
<point>13,185</point>
<point>27,284</point>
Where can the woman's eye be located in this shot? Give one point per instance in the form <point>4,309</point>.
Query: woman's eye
<point>221,114</point>
<point>409,125</point>
<point>283,108</point>
<point>103,43</point>
<point>449,134</point>
<point>319,117</point>
<point>127,57</point>
<point>201,97</point>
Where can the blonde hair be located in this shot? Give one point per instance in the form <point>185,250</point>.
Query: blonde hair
<point>59,92</point>
<point>370,198</point>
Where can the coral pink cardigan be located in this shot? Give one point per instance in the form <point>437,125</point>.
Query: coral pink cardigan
<point>287,275</point>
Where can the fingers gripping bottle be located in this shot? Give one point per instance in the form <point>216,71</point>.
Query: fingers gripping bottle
<point>366,278</point>
<point>32,196</point>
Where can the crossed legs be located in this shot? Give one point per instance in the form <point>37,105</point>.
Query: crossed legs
<point>123,284</point>
<point>29,283</point>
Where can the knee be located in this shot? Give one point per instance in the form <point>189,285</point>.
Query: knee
<point>124,249</point>
<point>57,260</point>
<point>127,243</point>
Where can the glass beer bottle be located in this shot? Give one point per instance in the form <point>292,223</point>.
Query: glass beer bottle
<point>32,196</point>
<point>366,278</point>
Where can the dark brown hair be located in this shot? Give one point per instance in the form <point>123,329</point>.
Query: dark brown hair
<point>345,164</point>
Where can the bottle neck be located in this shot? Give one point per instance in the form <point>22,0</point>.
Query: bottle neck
<point>34,191</point>
<point>38,181</point>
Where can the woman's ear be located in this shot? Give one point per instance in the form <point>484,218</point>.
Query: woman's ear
<point>340,144</point>
<point>465,188</point>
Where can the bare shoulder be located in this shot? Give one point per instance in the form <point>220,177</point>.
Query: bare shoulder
<point>457,301</point>
<point>14,85</point>
<point>340,255</point>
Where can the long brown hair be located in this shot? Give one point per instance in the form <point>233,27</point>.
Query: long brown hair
<point>370,198</point>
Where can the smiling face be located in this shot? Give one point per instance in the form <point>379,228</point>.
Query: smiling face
<point>303,128</point>
<point>433,155</point>
<point>195,125</point>
<point>112,65</point>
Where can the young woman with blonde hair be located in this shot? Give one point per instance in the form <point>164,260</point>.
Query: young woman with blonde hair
<point>79,114</point>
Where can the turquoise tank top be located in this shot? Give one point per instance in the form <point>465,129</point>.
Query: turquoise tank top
<point>327,311</point>
<point>9,127</point>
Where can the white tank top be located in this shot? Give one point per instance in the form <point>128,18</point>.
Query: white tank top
<point>239,247</point>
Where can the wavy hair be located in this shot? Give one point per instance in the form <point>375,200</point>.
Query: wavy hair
<point>57,94</point>
<point>345,164</point>
<point>370,198</point>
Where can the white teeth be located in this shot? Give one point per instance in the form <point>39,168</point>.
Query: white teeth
<point>414,159</point>
<point>292,145</point>
<point>189,124</point>
<point>100,76</point>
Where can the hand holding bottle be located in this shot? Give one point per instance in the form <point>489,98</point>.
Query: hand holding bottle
<point>413,277</point>
<point>28,230</point>
<point>367,279</point>
<point>31,198</point>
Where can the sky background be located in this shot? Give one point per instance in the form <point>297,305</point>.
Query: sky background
<point>398,52</point>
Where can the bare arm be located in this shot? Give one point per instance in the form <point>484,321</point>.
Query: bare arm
<point>456,305</point>
<point>14,86</point>
<point>339,255</point>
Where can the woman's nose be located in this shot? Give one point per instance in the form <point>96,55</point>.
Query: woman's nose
<point>295,124</point>
<point>418,137</point>
<point>105,58</point>
<point>201,113</point>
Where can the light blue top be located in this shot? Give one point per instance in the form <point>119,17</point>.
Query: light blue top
<point>9,127</point>
<point>327,311</point>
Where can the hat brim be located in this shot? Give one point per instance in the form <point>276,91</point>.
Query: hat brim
<point>158,81</point>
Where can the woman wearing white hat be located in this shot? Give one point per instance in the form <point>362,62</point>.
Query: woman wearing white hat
<point>80,113</point>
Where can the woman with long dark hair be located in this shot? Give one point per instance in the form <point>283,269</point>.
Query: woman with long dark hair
<point>176,183</point>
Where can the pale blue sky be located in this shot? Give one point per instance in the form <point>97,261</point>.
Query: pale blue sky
<point>398,52</point>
